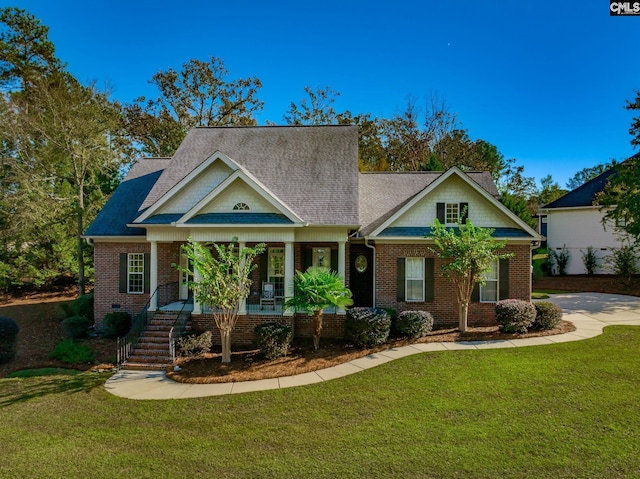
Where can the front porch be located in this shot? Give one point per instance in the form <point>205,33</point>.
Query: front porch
<point>251,309</point>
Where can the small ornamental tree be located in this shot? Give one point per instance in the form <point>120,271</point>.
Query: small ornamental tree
<point>316,289</point>
<point>469,252</point>
<point>221,281</point>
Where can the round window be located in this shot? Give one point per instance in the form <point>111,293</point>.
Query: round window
<point>361,263</point>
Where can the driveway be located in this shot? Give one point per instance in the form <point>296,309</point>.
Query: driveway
<point>602,307</point>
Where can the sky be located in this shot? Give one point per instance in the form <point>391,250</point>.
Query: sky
<point>545,81</point>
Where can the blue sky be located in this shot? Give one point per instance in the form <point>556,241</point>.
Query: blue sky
<point>544,81</point>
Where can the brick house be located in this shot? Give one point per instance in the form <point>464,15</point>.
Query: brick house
<point>297,189</point>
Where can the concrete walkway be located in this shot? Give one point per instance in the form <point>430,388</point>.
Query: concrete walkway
<point>589,312</point>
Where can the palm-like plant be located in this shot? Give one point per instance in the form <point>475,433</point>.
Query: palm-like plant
<point>316,289</point>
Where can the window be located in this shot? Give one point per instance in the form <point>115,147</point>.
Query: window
<point>241,207</point>
<point>321,257</point>
<point>135,273</point>
<point>276,270</point>
<point>451,215</point>
<point>414,274</point>
<point>489,292</point>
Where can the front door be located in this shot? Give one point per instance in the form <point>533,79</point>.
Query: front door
<point>361,275</point>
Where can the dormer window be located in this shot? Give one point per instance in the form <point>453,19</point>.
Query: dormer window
<point>241,207</point>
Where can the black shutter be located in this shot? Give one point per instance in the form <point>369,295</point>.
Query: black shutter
<point>464,212</point>
<point>400,280</point>
<point>475,294</point>
<point>440,212</point>
<point>123,273</point>
<point>263,266</point>
<point>307,259</point>
<point>334,260</point>
<point>429,293</point>
<point>503,279</point>
<point>147,273</point>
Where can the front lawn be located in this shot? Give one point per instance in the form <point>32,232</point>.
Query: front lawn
<point>566,410</point>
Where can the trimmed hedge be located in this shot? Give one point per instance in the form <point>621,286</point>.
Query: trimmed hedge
<point>515,315</point>
<point>413,324</point>
<point>273,339</point>
<point>548,315</point>
<point>8,339</point>
<point>76,327</point>
<point>83,306</point>
<point>116,324</point>
<point>367,326</point>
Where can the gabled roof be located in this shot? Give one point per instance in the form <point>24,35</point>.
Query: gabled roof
<point>585,195</point>
<point>311,169</point>
<point>384,195</point>
<point>124,205</point>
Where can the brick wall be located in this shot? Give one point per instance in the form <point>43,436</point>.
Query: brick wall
<point>107,272</point>
<point>444,307</point>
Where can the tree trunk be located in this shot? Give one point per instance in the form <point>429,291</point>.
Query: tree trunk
<point>317,328</point>
<point>462,320</point>
<point>81,280</point>
<point>225,336</point>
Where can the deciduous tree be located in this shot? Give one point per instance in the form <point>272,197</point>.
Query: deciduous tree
<point>200,94</point>
<point>221,281</point>
<point>469,252</point>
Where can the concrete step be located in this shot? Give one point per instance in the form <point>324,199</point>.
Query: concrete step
<point>137,366</point>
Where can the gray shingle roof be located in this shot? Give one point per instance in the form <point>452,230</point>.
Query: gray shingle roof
<point>422,231</point>
<point>312,169</point>
<point>124,205</point>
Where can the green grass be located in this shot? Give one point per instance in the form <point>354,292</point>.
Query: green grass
<point>566,410</point>
<point>32,373</point>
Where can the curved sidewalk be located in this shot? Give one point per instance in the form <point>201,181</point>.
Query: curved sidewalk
<point>589,312</point>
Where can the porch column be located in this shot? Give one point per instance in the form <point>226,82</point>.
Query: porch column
<point>153,277</point>
<point>341,267</point>
<point>289,269</point>
<point>197,307</point>
<point>242,310</point>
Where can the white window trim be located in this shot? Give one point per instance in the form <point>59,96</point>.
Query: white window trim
<point>446,210</point>
<point>496,281</point>
<point>130,256</point>
<point>407,279</point>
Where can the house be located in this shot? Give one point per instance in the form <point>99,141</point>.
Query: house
<point>574,222</point>
<point>297,189</point>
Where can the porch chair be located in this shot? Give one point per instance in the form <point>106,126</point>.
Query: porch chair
<point>268,295</point>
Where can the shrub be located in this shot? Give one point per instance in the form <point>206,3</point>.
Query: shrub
<point>81,306</point>
<point>273,339</point>
<point>590,260</point>
<point>560,259</point>
<point>71,352</point>
<point>413,324</point>
<point>367,326</point>
<point>76,327</point>
<point>624,261</point>
<point>548,315</point>
<point>515,315</point>
<point>195,344</point>
<point>8,339</point>
<point>116,324</point>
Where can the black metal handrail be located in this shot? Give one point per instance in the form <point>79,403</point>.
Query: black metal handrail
<point>166,294</point>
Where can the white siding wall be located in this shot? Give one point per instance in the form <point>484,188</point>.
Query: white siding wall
<point>198,188</point>
<point>454,190</point>
<point>577,229</point>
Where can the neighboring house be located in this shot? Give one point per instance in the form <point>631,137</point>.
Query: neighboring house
<point>575,221</point>
<point>298,190</point>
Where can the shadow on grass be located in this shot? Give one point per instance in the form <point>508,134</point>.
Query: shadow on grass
<point>17,390</point>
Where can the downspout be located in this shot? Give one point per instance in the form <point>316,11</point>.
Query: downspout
<point>366,243</point>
